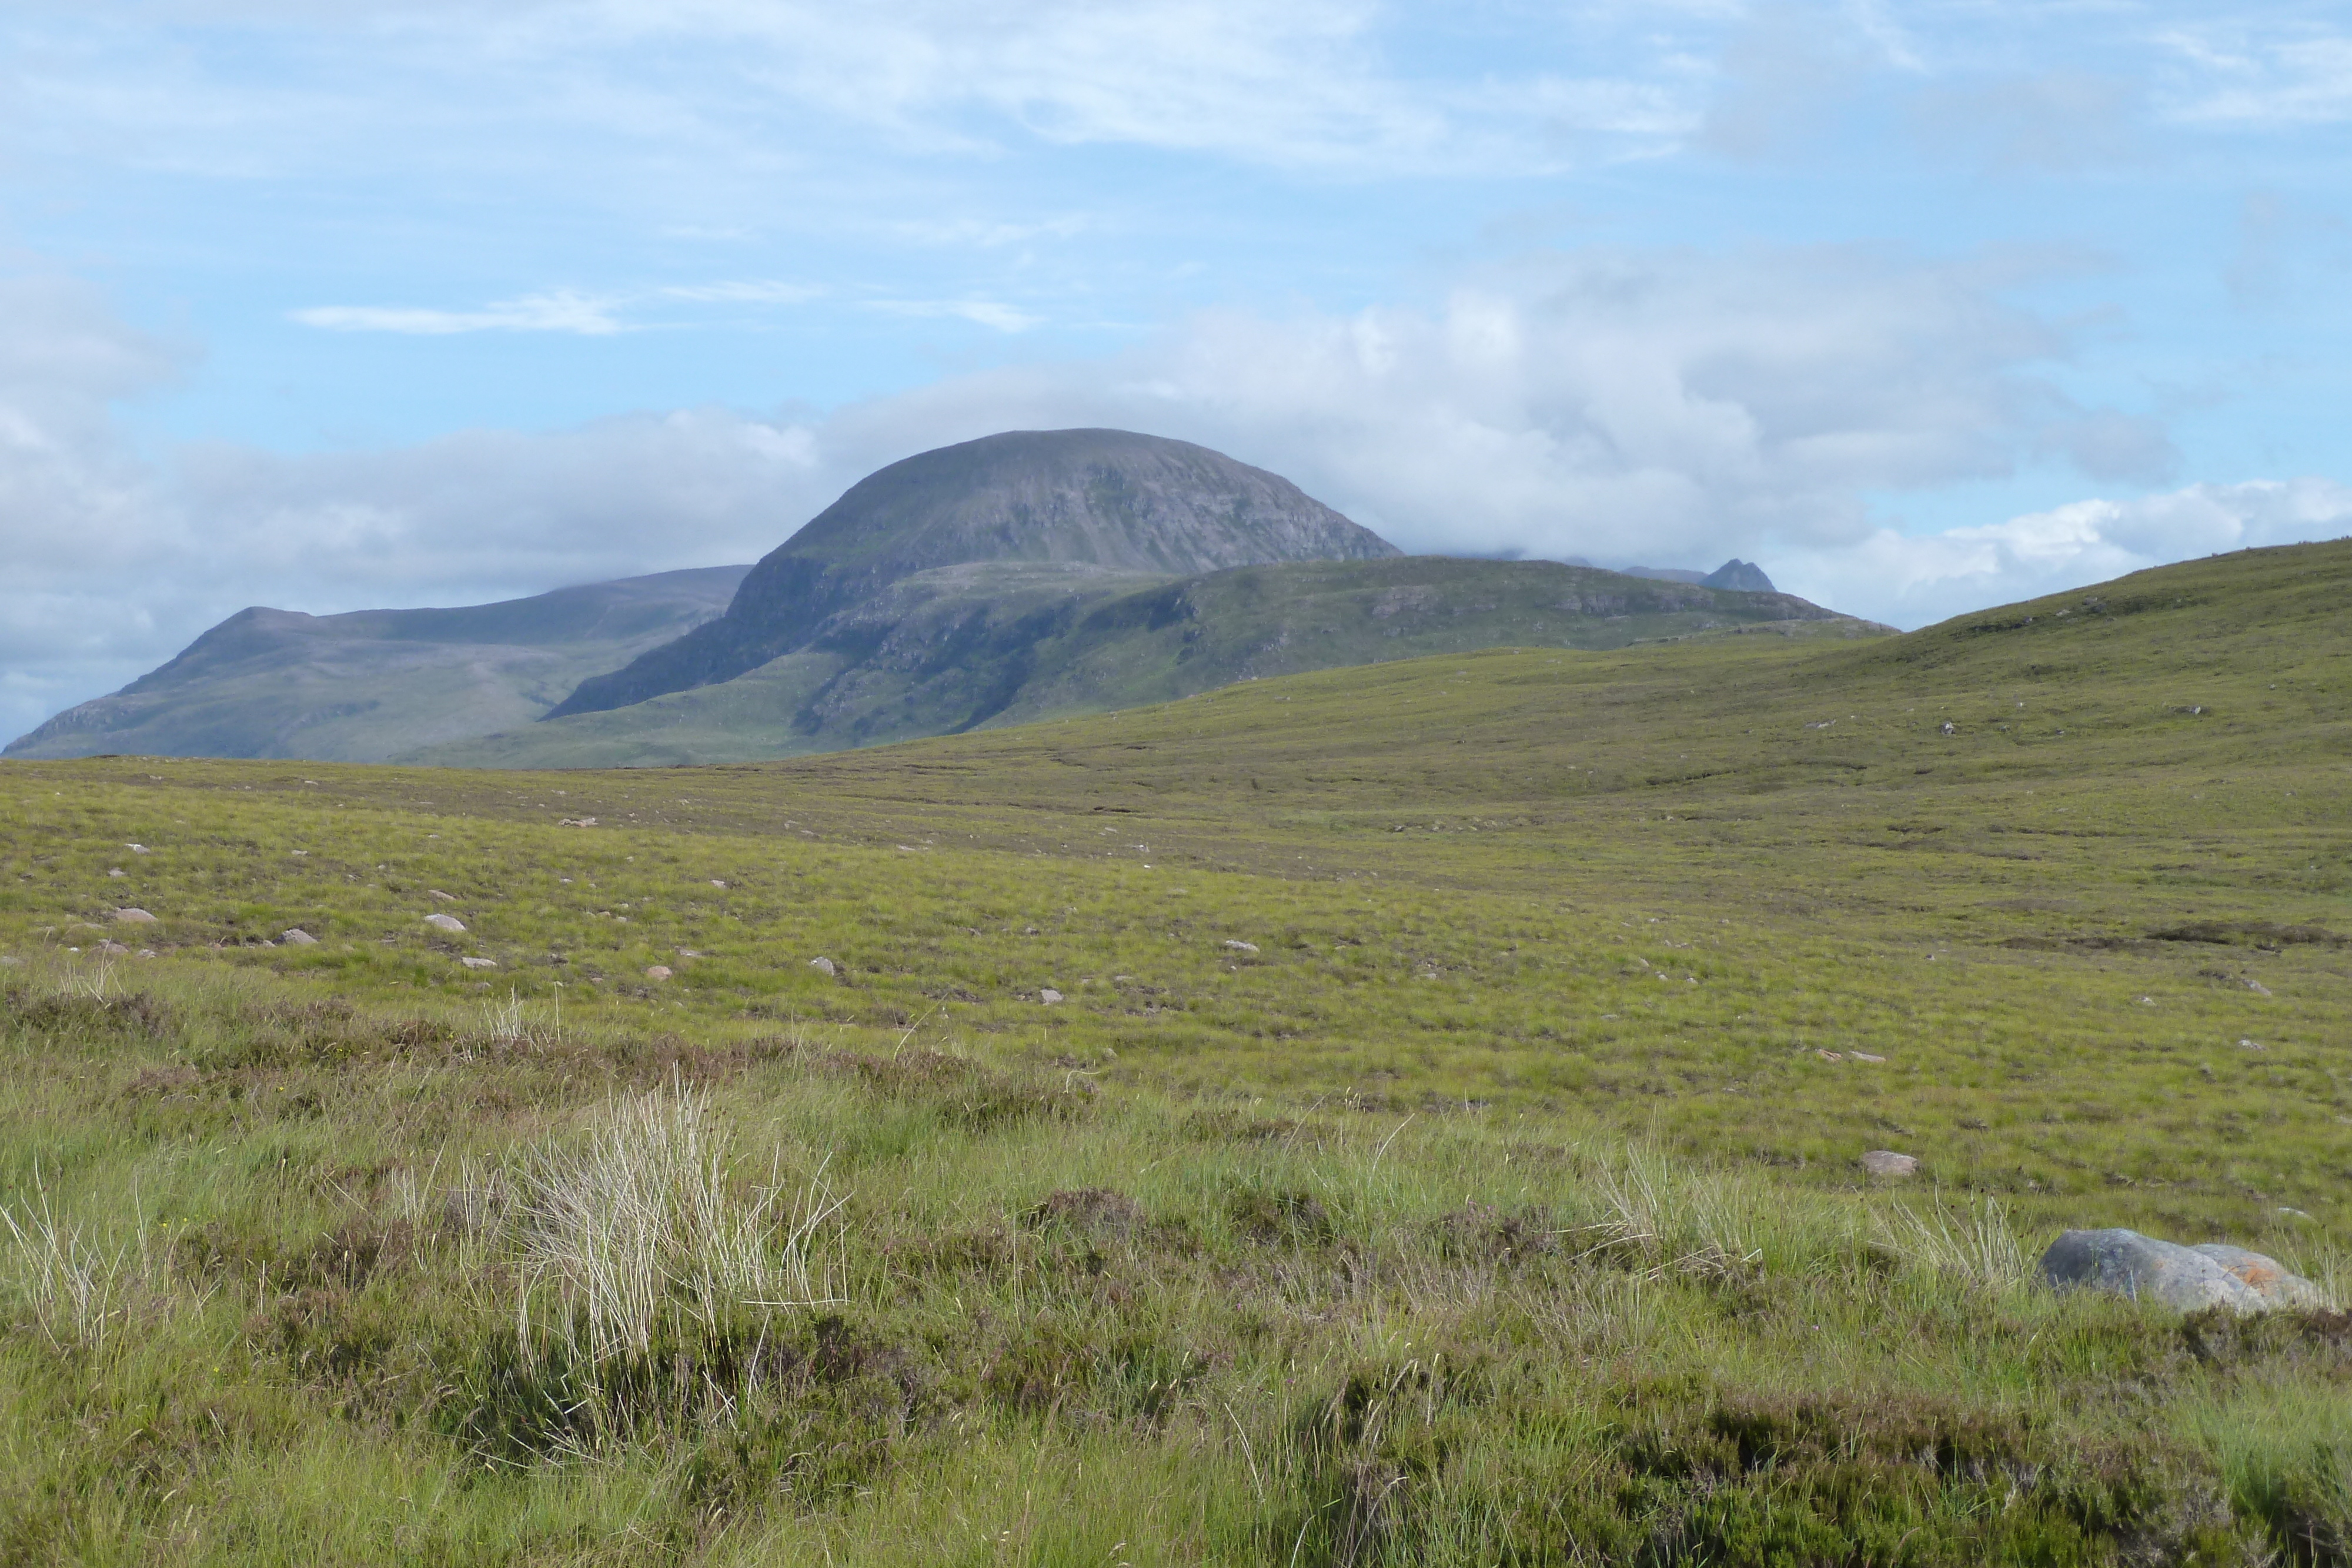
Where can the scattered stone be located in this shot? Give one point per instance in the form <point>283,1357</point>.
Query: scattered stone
<point>1831,1055</point>
<point>2125,1263</point>
<point>1863,1056</point>
<point>480,962</point>
<point>444,897</point>
<point>1049,996</point>
<point>114,949</point>
<point>134,917</point>
<point>444,922</point>
<point>1888,1166</point>
<point>576,822</point>
<point>298,937</point>
<point>1948,727</point>
<point>2257,988</point>
<point>716,883</point>
<point>298,854</point>
<point>2265,1276</point>
<point>1240,947</point>
<point>2252,1045</point>
<point>136,849</point>
<point>823,966</point>
<point>114,871</point>
<point>657,972</point>
<point>690,953</point>
<point>146,952</point>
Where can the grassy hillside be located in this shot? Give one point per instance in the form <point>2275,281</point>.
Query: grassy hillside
<point>1494,1201</point>
<point>373,683</point>
<point>969,647</point>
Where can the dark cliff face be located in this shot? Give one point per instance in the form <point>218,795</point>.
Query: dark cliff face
<point>1105,498</point>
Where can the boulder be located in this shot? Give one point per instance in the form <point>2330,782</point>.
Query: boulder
<point>822,965</point>
<point>298,937</point>
<point>2125,1263</point>
<point>444,922</point>
<point>1888,1166</point>
<point>2265,1276</point>
<point>114,949</point>
<point>134,917</point>
<point>657,972</point>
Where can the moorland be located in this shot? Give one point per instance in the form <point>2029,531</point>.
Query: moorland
<point>1406,1113</point>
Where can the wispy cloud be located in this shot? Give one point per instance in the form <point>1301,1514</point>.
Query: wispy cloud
<point>561,311</point>
<point>981,312</point>
<point>754,291</point>
<point>2270,81</point>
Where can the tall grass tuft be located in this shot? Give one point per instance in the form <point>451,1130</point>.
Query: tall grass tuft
<point>1974,1244</point>
<point>640,1217</point>
<point>78,1292</point>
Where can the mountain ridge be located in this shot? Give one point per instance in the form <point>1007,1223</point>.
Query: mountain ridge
<point>1113,499</point>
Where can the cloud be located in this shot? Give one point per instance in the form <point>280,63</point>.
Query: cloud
<point>2255,78</point>
<point>1667,407</point>
<point>981,312</point>
<point>559,310</point>
<point>1915,579</point>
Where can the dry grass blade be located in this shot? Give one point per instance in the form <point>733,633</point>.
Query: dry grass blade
<point>1975,1243</point>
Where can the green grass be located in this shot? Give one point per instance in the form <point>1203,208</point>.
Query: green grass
<point>1500,1206</point>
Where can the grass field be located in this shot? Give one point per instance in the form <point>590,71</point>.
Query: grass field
<point>1494,1202</point>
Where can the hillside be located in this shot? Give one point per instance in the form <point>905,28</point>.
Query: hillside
<point>982,646</point>
<point>1105,499</point>
<point>1405,1113</point>
<point>362,686</point>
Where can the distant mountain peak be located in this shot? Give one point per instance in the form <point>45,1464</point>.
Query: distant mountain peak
<point>1745,576</point>
<point>1112,499</point>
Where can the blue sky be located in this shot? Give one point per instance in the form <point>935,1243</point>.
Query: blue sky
<point>1924,307</point>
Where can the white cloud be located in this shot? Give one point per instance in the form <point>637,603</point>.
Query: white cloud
<point>988,313</point>
<point>1670,408</point>
<point>1915,579</point>
<point>2262,79</point>
<point>558,310</point>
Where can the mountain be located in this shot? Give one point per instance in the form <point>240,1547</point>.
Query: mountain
<point>362,686</point>
<point>1746,576</point>
<point>988,645</point>
<point>1083,502</point>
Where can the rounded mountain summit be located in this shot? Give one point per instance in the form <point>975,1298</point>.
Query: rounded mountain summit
<point>1088,501</point>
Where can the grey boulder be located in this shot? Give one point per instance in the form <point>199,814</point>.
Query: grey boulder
<point>2184,1279</point>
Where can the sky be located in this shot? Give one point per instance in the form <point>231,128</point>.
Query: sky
<point>1922,307</point>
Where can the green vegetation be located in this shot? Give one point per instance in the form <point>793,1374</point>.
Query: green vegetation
<point>998,643</point>
<point>1494,1203</point>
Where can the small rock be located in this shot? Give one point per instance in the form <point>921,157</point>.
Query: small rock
<point>2258,988</point>
<point>136,849</point>
<point>823,966</point>
<point>2125,1263</point>
<point>1240,947</point>
<point>114,871</point>
<point>1948,727</point>
<point>10,961</point>
<point>690,953</point>
<point>575,823</point>
<point>1049,996</point>
<point>134,917</point>
<point>444,897</point>
<point>1831,1055</point>
<point>298,937</point>
<point>480,962</point>
<point>716,883</point>
<point>653,972</point>
<point>1863,1056</point>
<point>113,949</point>
<point>444,922</point>
<point>2252,1045</point>
<point>1888,1166</point>
<point>146,952</point>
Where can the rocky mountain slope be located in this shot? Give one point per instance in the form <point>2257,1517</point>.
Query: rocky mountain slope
<point>1089,502</point>
<point>362,686</point>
